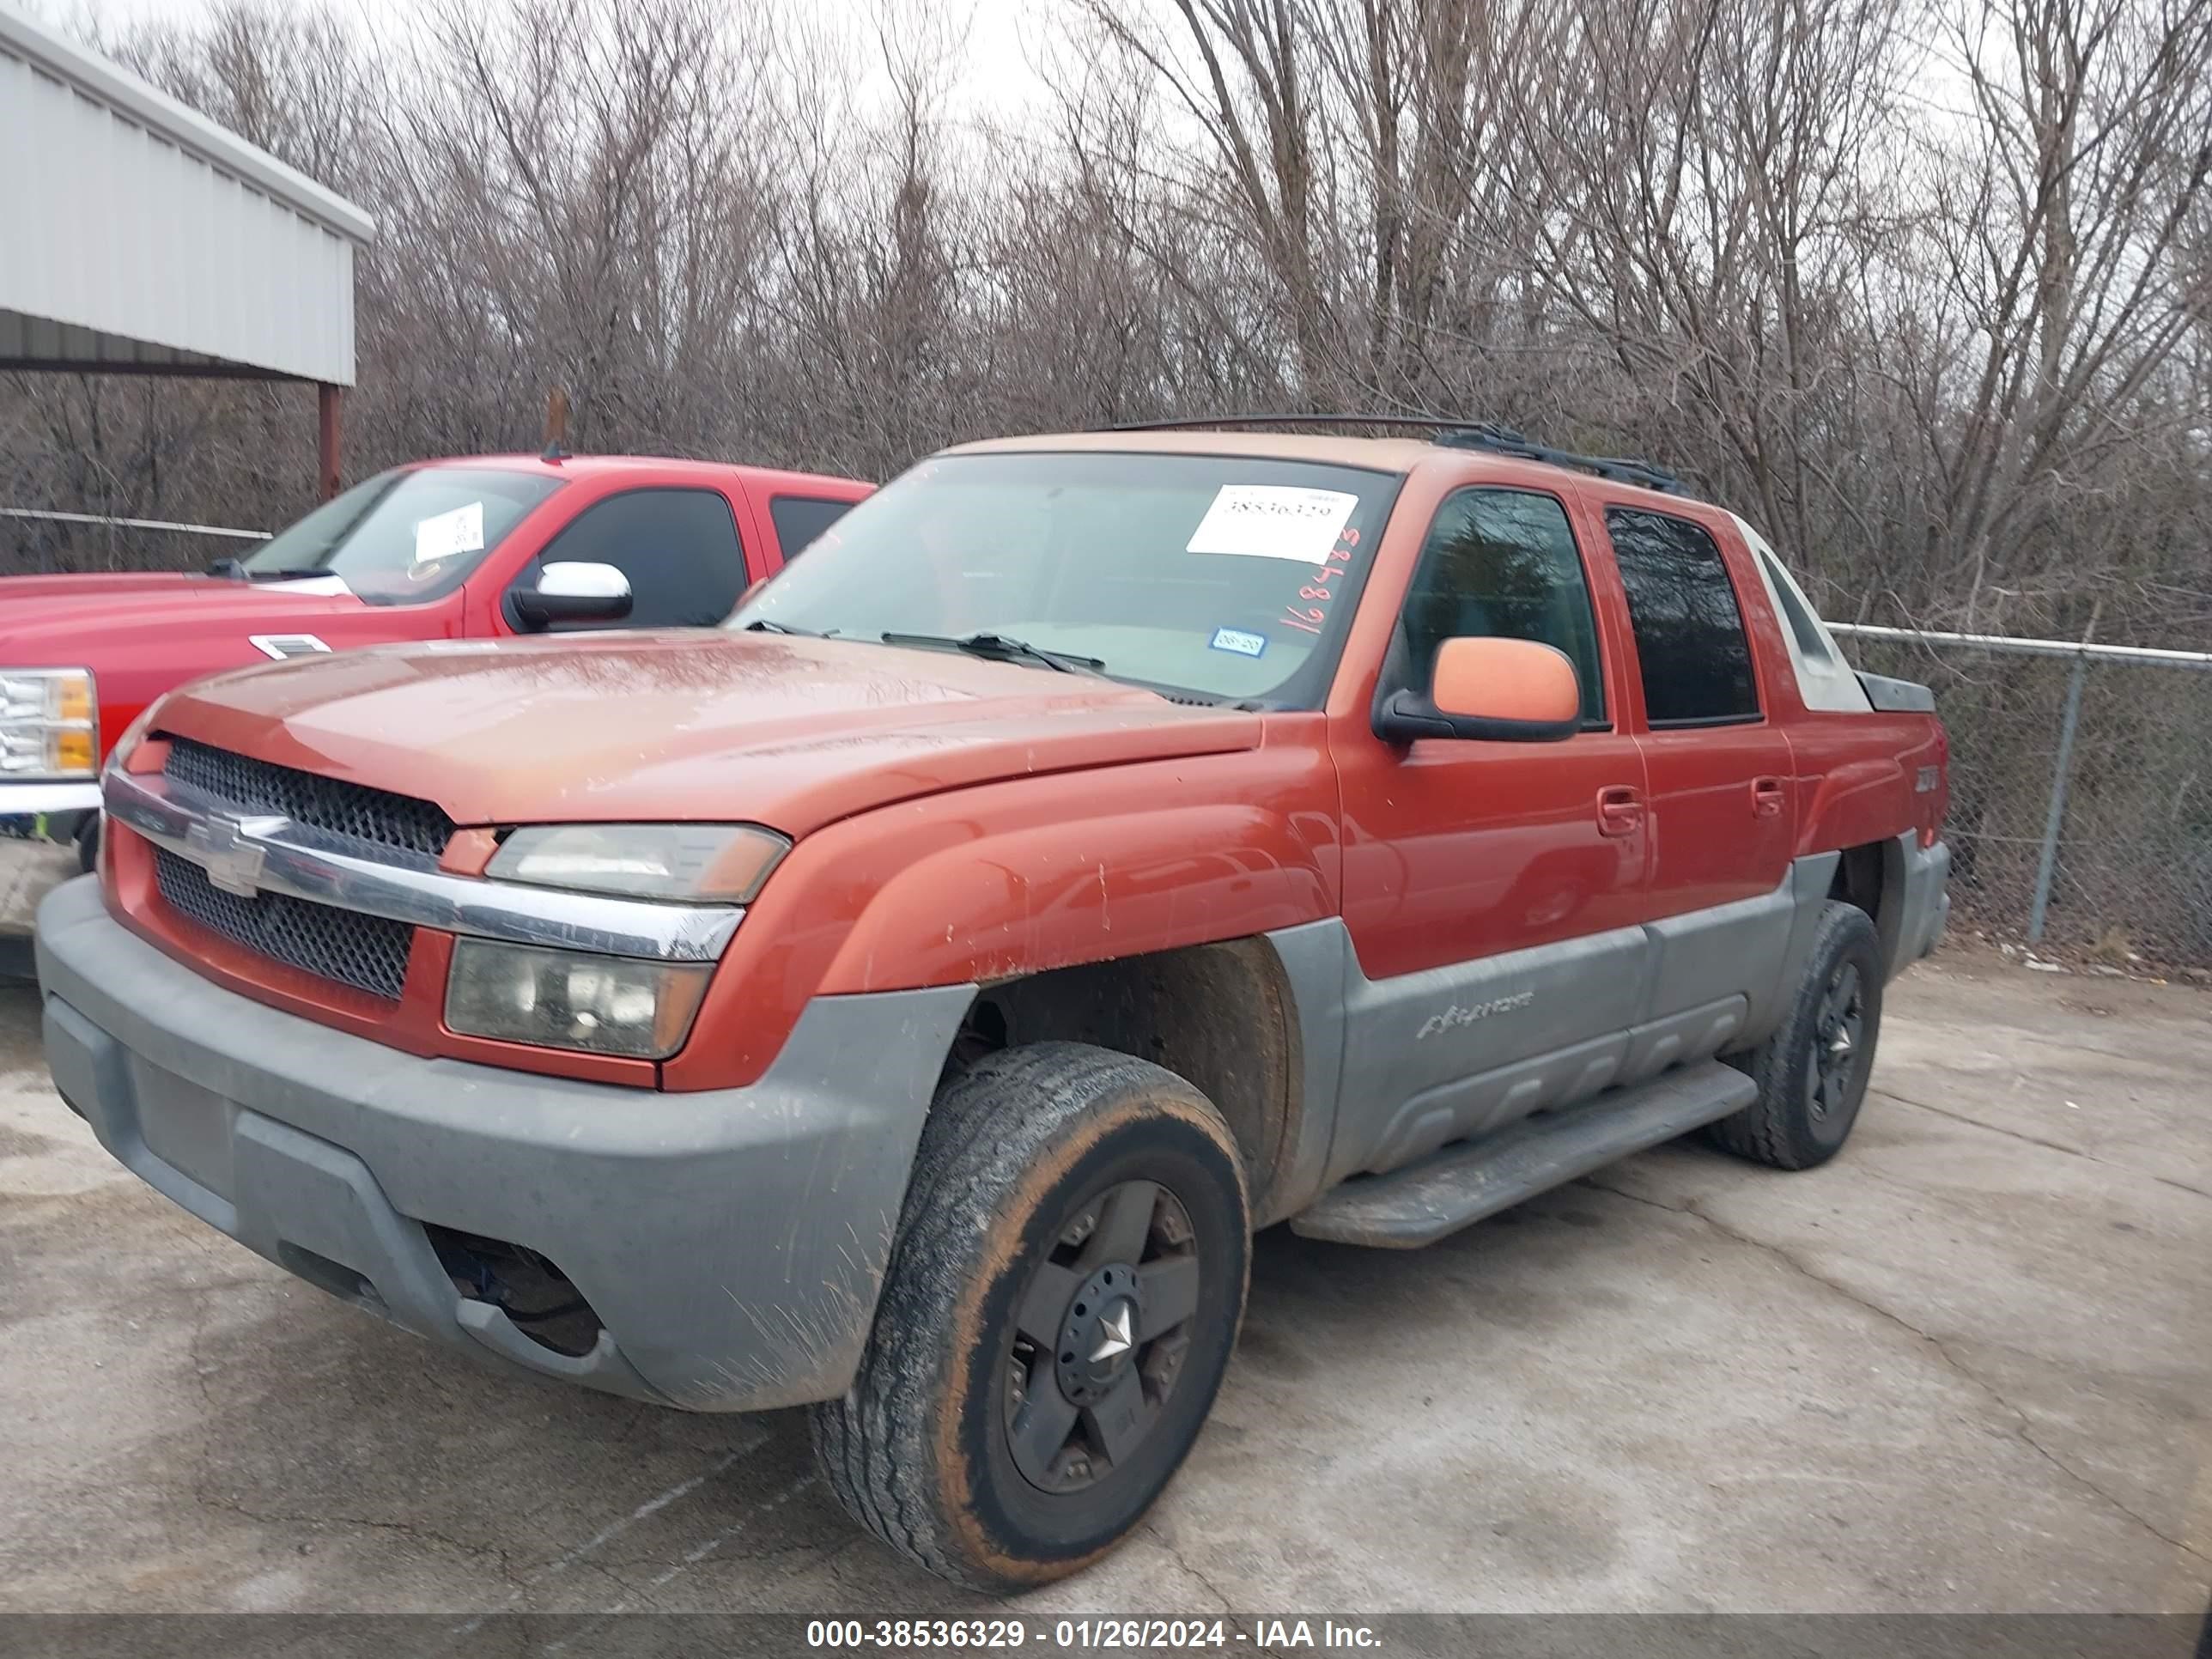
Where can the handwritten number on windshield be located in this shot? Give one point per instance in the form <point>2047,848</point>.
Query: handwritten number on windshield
<point>1311,616</point>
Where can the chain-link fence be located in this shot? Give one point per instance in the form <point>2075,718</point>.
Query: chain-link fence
<point>2081,785</point>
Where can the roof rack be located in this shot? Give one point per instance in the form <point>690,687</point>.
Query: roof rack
<point>1486,435</point>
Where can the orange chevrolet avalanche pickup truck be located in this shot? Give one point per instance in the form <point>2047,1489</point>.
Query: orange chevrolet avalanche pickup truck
<point>907,1000</point>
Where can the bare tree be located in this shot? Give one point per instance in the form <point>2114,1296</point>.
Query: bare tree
<point>1924,284</point>
<point>2058,281</point>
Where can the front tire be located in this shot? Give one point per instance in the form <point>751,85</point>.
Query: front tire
<point>1812,1073</point>
<point>1063,1294</point>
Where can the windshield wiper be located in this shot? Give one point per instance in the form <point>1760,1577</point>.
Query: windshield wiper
<point>997,648</point>
<point>762,625</point>
<point>239,570</point>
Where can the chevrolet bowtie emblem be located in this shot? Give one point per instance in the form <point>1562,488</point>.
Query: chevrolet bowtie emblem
<point>1114,1334</point>
<point>230,850</point>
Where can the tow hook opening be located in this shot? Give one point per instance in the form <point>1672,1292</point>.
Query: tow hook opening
<point>340,1280</point>
<point>541,1301</point>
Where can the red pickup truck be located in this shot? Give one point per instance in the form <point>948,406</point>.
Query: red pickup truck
<point>462,549</point>
<point>907,1001</point>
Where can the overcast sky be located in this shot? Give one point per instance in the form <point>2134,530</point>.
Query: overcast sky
<point>1006,40</point>
<point>1005,37</point>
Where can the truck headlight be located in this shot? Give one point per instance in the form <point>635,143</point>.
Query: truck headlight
<point>49,723</point>
<point>604,1005</point>
<point>569,1000</point>
<point>718,861</point>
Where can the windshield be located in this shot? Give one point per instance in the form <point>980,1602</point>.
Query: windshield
<point>402,538</point>
<point>1217,576</point>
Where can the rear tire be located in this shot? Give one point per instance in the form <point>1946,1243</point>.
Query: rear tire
<point>1063,1294</point>
<point>1812,1073</point>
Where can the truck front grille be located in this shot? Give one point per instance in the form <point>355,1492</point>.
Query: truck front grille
<point>367,953</point>
<point>377,818</point>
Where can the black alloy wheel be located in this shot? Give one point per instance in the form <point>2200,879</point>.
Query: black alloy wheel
<point>1813,1068</point>
<point>1838,1030</point>
<point>1063,1295</point>
<point>1099,1336</point>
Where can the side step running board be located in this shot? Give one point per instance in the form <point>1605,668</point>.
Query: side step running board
<point>1457,1186</point>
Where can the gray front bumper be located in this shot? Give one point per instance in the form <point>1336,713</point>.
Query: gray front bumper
<point>731,1241</point>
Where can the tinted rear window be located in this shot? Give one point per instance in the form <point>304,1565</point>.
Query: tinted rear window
<point>1689,630</point>
<point>800,518</point>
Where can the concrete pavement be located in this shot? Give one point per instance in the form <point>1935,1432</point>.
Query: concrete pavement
<point>1966,1366</point>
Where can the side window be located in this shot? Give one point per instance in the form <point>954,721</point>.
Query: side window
<point>678,547</point>
<point>1794,611</point>
<point>1689,630</point>
<point>1503,563</point>
<point>800,518</point>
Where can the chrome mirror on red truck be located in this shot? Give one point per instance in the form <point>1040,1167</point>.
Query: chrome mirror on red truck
<point>573,592</point>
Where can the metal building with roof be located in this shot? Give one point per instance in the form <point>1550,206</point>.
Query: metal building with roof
<point>136,236</point>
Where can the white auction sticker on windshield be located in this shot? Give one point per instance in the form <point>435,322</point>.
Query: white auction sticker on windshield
<point>460,531</point>
<point>1273,521</point>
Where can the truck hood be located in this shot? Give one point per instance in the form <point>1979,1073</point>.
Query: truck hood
<point>66,621</point>
<point>792,732</point>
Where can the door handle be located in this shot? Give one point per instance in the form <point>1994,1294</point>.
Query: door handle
<point>1767,797</point>
<point>1620,811</point>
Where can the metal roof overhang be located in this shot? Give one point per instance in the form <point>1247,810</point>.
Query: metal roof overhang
<point>137,235</point>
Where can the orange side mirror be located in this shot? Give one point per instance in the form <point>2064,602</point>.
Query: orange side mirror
<point>1503,690</point>
<point>1492,679</point>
